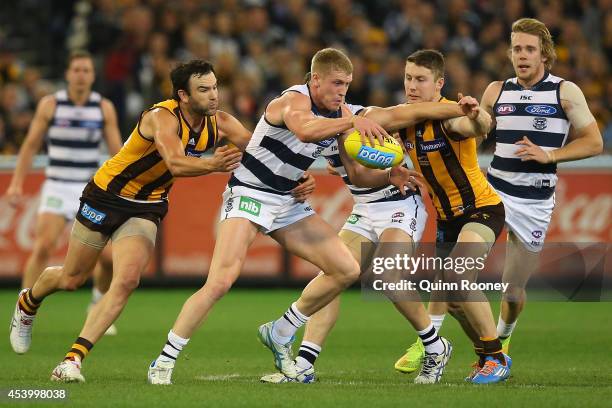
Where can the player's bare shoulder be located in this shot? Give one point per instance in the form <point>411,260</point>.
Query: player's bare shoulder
<point>155,120</point>
<point>46,107</point>
<point>285,103</point>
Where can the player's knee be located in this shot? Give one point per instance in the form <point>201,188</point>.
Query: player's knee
<point>349,272</point>
<point>217,288</point>
<point>455,310</point>
<point>127,282</point>
<point>514,295</point>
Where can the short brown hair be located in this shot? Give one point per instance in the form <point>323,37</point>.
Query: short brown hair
<point>329,59</point>
<point>77,54</point>
<point>538,28</point>
<point>430,59</point>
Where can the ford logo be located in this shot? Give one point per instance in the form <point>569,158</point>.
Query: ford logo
<point>541,110</point>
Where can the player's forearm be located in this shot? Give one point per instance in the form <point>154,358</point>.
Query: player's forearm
<point>408,115</point>
<point>190,166</point>
<point>477,127</point>
<point>319,129</point>
<point>23,165</point>
<point>581,148</point>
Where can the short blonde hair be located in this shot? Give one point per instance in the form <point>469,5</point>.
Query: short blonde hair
<point>537,28</point>
<point>328,59</point>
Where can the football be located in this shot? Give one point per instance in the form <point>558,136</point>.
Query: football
<point>375,157</point>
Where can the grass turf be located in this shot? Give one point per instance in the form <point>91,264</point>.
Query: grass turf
<point>561,354</point>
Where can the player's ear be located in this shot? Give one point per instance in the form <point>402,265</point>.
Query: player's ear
<point>183,95</point>
<point>439,84</point>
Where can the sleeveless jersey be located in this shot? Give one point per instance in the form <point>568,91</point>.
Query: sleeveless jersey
<point>138,171</point>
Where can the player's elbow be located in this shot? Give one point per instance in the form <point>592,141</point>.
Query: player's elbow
<point>597,146</point>
<point>305,136</point>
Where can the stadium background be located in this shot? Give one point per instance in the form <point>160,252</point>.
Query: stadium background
<point>260,48</point>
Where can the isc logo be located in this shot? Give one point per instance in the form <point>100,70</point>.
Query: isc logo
<point>375,157</point>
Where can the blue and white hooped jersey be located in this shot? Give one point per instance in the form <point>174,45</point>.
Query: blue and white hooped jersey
<point>74,138</point>
<point>537,114</point>
<point>275,159</point>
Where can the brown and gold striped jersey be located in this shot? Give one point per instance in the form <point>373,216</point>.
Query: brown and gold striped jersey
<point>449,164</point>
<point>138,171</point>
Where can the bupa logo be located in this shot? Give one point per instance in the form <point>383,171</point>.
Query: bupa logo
<point>375,157</point>
<point>505,109</point>
<point>537,234</point>
<point>92,214</point>
<point>540,110</point>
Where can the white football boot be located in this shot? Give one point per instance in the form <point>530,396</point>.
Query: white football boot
<point>160,372</point>
<point>68,371</point>
<point>21,329</point>
<point>434,364</point>
<point>283,354</point>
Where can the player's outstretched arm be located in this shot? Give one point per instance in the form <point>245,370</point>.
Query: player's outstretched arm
<point>164,128</point>
<point>587,137</point>
<point>401,116</point>
<point>111,128</point>
<point>31,146</point>
<point>231,129</point>
<point>294,111</point>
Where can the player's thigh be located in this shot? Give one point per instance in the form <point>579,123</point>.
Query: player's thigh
<point>133,246</point>
<point>360,247</point>
<point>49,227</point>
<point>315,241</point>
<point>234,237</point>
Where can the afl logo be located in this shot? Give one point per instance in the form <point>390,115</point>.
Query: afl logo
<point>540,110</point>
<point>505,109</point>
<point>537,234</point>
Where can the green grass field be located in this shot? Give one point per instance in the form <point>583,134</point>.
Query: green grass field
<point>561,355</point>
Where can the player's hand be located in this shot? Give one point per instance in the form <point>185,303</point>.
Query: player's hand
<point>305,189</point>
<point>226,159</point>
<point>331,170</point>
<point>367,128</point>
<point>401,177</point>
<point>14,194</point>
<point>469,105</point>
<point>531,151</point>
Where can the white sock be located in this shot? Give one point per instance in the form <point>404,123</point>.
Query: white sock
<point>96,295</point>
<point>437,321</point>
<point>285,327</point>
<point>173,347</point>
<point>504,330</point>
<point>307,355</point>
<point>431,340</point>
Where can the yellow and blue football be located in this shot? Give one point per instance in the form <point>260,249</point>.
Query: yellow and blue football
<point>375,157</point>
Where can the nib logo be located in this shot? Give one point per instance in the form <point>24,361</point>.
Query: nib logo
<point>249,205</point>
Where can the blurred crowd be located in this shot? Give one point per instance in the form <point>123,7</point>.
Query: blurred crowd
<point>260,47</point>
